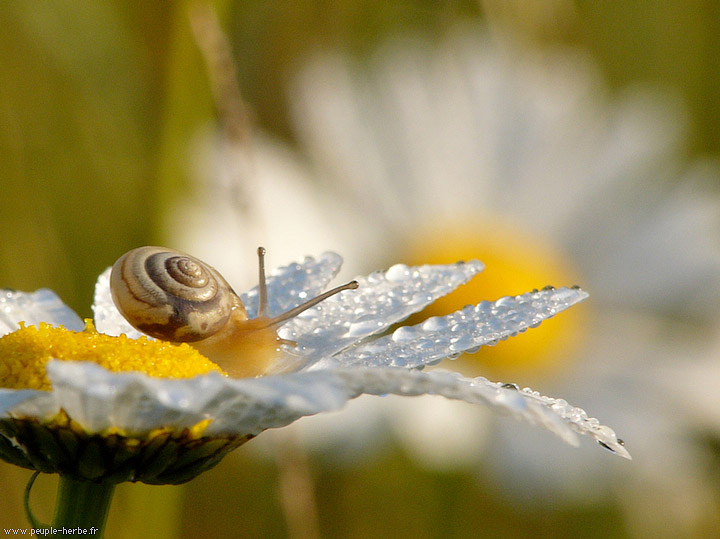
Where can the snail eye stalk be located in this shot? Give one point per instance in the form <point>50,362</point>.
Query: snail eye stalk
<point>262,284</point>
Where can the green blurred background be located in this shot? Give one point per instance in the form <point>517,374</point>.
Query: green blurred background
<point>99,100</point>
<point>98,103</point>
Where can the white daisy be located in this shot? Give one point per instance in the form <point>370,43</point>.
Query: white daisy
<point>68,408</point>
<point>560,180</point>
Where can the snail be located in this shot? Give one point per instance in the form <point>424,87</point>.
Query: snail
<point>175,297</point>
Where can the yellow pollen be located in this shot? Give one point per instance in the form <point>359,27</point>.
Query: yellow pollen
<point>62,420</point>
<point>25,352</point>
<point>515,262</point>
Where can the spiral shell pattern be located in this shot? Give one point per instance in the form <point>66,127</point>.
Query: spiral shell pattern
<point>171,295</point>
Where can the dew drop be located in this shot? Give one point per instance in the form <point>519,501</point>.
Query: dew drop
<point>434,323</point>
<point>560,406</point>
<point>397,273</point>
<point>403,334</point>
<point>462,343</point>
<point>606,433</point>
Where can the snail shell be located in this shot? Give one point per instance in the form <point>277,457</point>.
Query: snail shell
<point>171,295</point>
<point>175,297</point>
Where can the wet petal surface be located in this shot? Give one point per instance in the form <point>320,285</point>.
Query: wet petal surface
<point>99,399</point>
<point>463,331</point>
<point>382,299</point>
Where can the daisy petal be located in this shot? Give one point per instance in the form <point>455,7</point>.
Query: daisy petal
<point>106,317</point>
<point>556,415</point>
<point>10,399</point>
<point>463,331</point>
<point>289,286</point>
<point>99,399</point>
<point>382,299</point>
<point>34,307</point>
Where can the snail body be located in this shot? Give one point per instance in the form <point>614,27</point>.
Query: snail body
<point>175,297</point>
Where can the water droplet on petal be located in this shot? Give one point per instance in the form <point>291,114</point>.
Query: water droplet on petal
<point>403,334</point>
<point>461,343</point>
<point>434,323</point>
<point>604,432</point>
<point>560,406</point>
<point>398,272</point>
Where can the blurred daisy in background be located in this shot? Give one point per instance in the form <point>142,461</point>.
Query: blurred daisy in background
<point>478,148</point>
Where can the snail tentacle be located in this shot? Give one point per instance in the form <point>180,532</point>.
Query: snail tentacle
<point>262,284</point>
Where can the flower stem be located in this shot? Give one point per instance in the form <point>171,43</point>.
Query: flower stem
<point>82,504</point>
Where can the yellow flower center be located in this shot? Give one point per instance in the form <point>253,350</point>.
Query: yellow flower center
<point>25,352</point>
<point>515,262</point>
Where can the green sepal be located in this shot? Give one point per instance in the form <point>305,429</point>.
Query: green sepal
<point>61,446</point>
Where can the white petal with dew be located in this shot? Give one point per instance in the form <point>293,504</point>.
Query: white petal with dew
<point>98,399</point>
<point>463,331</point>
<point>555,415</point>
<point>382,299</point>
<point>34,307</point>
